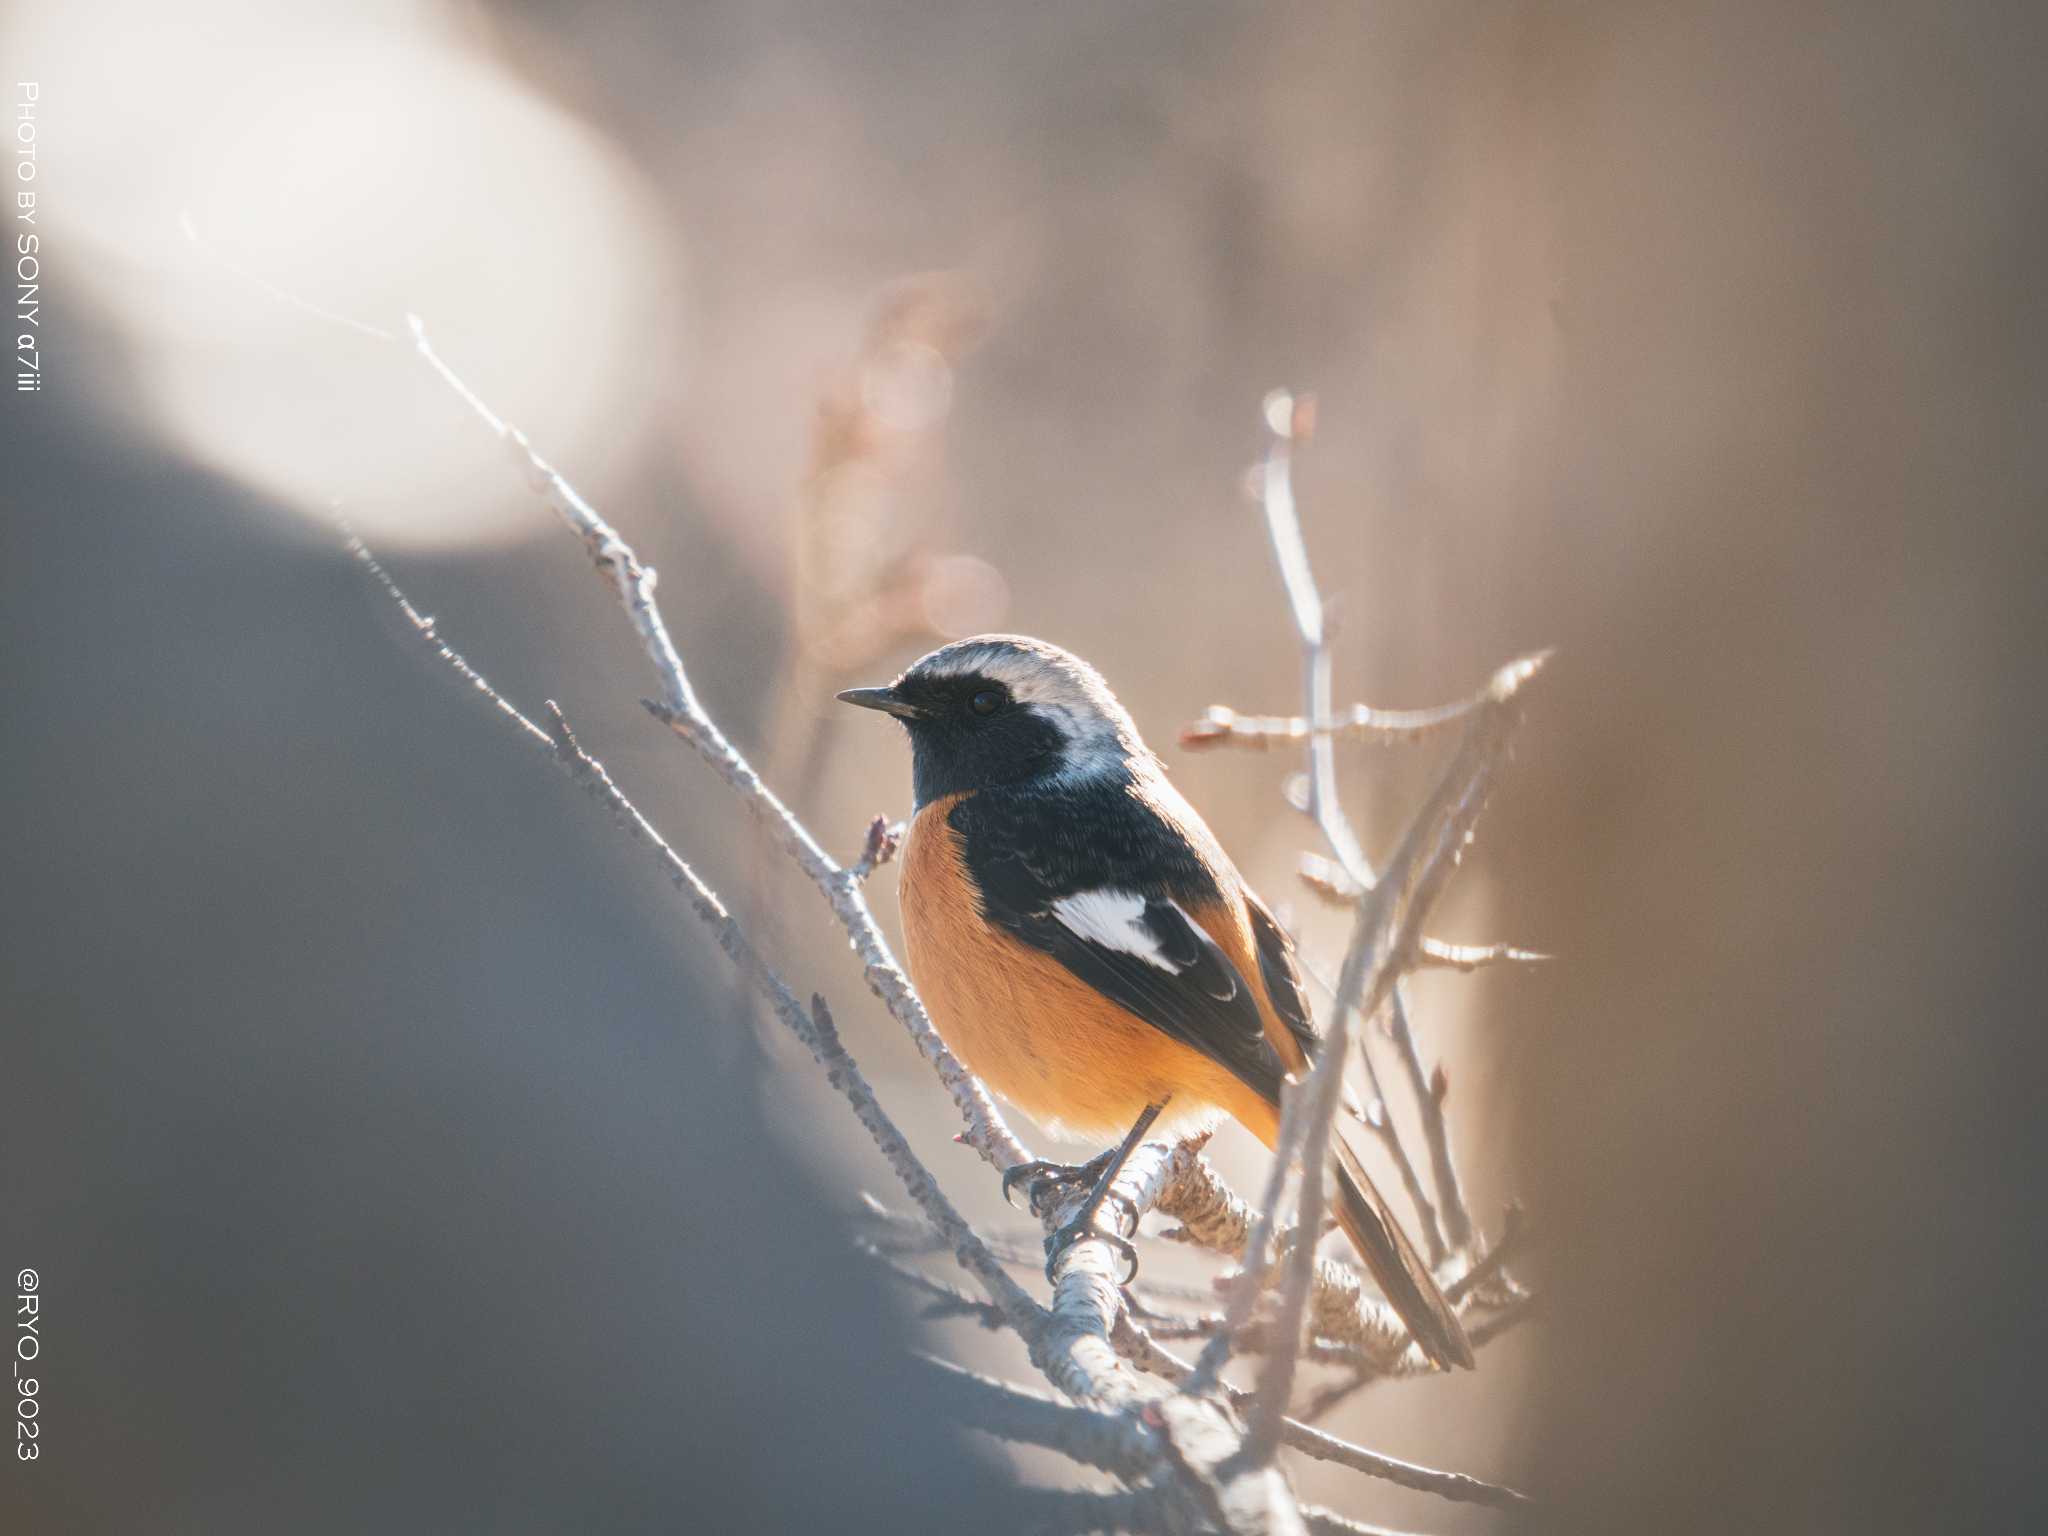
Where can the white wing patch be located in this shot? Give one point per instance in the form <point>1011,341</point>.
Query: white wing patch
<point>1115,920</point>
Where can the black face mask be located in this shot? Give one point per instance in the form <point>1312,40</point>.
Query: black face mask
<point>968,733</point>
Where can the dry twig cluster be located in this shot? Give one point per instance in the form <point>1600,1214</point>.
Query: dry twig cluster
<point>1193,1451</point>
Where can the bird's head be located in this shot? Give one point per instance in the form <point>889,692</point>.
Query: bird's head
<point>1004,709</point>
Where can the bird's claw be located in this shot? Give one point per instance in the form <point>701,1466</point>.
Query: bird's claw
<point>1028,1173</point>
<point>1043,1177</point>
<point>1083,1227</point>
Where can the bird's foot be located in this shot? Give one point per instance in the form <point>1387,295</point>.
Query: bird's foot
<point>1083,1226</point>
<point>1043,1180</point>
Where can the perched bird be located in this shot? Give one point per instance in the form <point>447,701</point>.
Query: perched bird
<point>1088,949</point>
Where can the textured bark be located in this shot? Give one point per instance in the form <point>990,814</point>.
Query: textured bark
<point>1170,1431</point>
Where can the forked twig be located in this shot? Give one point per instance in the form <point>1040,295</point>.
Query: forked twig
<point>814,1028</point>
<point>633,584</point>
<point>1349,874</point>
<point>1386,940</point>
<point>1182,1454</point>
<point>1182,1449</point>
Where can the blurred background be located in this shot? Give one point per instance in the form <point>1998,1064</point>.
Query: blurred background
<point>394,1151</point>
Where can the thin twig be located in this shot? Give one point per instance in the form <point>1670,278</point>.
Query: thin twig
<point>1386,940</point>
<point>632,582</point>
<point>1215,1218</point>
<point>190,229</point>
<point>1197,1443</point>
<point>1110,1441</point>
<point>1294,1130</point>
<point>814,1028</point>
<point>1459,1487</point>
<point>1518,1311</point>
<point>1325,1092</point>
<point>1435,954</point>
<point>1445,826</point>
<point>1328,880</point>
<point>911,1236</point>
<point>1286,419</point>
<point>1222,726</point>
<point>1178,1438</point>
<point>1327,1398</point>
<point>1070,1343</point>
<point>946,1300</point>
<point>1289,418</point>
<point>1381,1124</point>
<point>884,840</point>
<point>1514,1231</point>
<point>1389,919</point>
<point>1260,1336</point>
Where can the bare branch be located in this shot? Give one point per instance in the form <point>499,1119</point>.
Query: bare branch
<point>1379,1119</point>
<point>1343,1312</point>
<point>1520,1310</point>
<point>1435,954</point>
<point>1386,940</point>
<point>884,840</point>
<point>1216,1218</point>
<point>1459,1487</point>
<point>1327,879</point>
<point>1437,837</point>
<point>1390,916</point>
<point>1260,1336</point>
<point>1096,1439</point>
<point>1328,1397</point>
<point>946,1300</point>
<point>813,1028</point>
<point>1190,1445</point>
<point>1070,1344</point>
<point>1348,1326</point>
<point>1513,1233</point>
<point>912,1236</point>
<point>283,296</point>
<point>844,1075</point>
<point>1294,1129</point>
<point>633,583</point>
<point>1325,1092</point>
<point>1222,726</point>
<point>1114,1442</point>
<point>1287,419</point>
<point>1210,1213</point>
<point>1195,1442</point>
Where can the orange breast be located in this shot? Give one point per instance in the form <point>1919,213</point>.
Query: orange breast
<point>1036,1033</point>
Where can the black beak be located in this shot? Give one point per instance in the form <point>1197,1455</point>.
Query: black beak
<point>884,699</point>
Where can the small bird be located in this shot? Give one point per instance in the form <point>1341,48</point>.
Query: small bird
<point>1088,949</point>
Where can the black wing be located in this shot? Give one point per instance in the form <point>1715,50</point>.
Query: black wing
<point>1106,913</point>
<point>1282,978</point>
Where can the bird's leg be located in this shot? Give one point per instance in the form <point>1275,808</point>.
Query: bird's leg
<point>1083,1222</point>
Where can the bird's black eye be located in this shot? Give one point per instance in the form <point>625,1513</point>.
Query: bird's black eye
<point>986,702</point>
